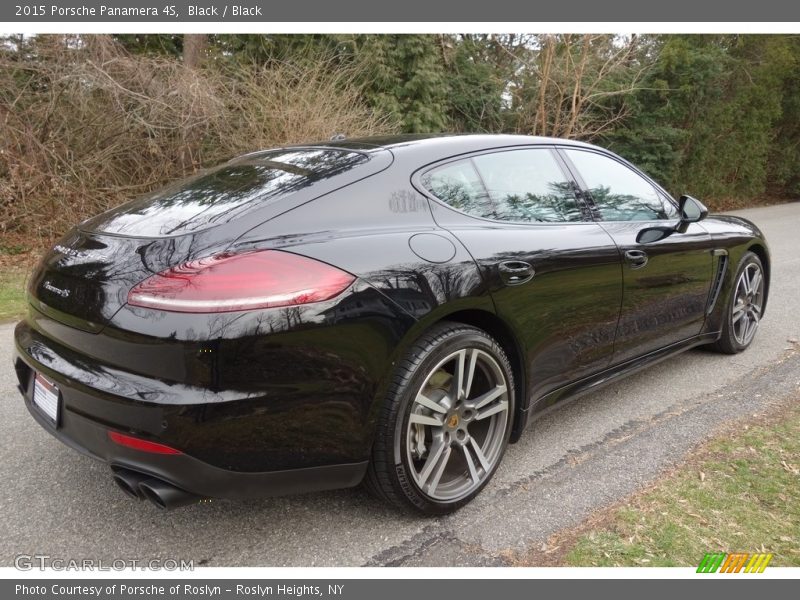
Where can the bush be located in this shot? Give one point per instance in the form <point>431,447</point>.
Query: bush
<point>84,125</point>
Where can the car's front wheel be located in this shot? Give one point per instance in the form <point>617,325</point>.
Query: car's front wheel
<point>446,421</point>
<point>745,305</point>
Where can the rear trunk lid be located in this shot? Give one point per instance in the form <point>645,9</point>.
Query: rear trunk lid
<point>85,279</point>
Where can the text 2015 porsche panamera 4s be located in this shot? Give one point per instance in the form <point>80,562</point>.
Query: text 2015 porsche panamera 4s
<point>392,310</point>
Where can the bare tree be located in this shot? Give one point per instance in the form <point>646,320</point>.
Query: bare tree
<point>194,48</point>
<point>575,86</point>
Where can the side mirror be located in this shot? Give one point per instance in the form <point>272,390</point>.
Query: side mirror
<point>692,210</point>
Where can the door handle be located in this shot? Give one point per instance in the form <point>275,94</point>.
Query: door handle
<point>636,258</point>
<point>515,272</point>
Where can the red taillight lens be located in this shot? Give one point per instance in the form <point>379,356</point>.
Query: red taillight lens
<point>139,444</point>
<point>227,282</point>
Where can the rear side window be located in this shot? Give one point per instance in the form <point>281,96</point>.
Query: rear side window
<point>220,194</point>
<point>516,185</point>
<point>458,185</point>
<point>619,193</point>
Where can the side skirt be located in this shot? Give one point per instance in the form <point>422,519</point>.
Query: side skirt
<point>576,389</point>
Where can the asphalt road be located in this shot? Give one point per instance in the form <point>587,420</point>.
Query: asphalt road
<point>575,460</point>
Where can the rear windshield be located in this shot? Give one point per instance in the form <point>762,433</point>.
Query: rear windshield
<point>221,194</point>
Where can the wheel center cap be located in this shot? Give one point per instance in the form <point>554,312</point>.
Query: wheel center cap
<point>452,422</point>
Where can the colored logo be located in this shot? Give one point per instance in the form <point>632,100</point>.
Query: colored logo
<point>738,562</point>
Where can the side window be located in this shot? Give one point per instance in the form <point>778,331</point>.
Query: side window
<point>669,208</point>
<point>528,185</point>
<point>619,193</point>
<point>513,185</point>
<point>458,185</point>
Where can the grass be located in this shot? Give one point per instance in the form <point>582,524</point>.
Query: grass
<point>740,492</point>
<point>12,294</point>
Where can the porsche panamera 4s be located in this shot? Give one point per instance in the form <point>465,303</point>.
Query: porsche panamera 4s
<point>386,310</point>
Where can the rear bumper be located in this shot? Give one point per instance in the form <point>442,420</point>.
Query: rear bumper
<point>88,414</point>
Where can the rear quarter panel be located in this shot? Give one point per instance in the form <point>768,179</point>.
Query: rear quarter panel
<point>381,230</point>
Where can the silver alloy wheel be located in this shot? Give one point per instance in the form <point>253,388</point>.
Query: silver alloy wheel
<point>457,426</point>
<point>747,302</point>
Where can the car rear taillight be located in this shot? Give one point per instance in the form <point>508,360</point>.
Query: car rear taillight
<point>228,282</point>
<point>140,444</point>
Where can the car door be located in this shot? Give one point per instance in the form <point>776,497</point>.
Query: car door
<point>554,275</point>
<point>665,283</point>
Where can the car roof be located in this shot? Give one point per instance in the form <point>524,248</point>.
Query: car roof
<point>443,141</point>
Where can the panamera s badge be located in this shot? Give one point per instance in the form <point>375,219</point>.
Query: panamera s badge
<point>56,290</point>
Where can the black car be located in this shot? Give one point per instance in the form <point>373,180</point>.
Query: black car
<point>387,310</point>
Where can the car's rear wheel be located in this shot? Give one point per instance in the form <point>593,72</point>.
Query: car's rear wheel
<point>446,421</point>
<point>745,305</point>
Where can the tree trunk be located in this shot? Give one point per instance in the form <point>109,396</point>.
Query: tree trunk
<point>194,47</point>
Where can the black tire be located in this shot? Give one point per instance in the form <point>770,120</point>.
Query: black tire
<point>728,342</point>
<point>392,475</point>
